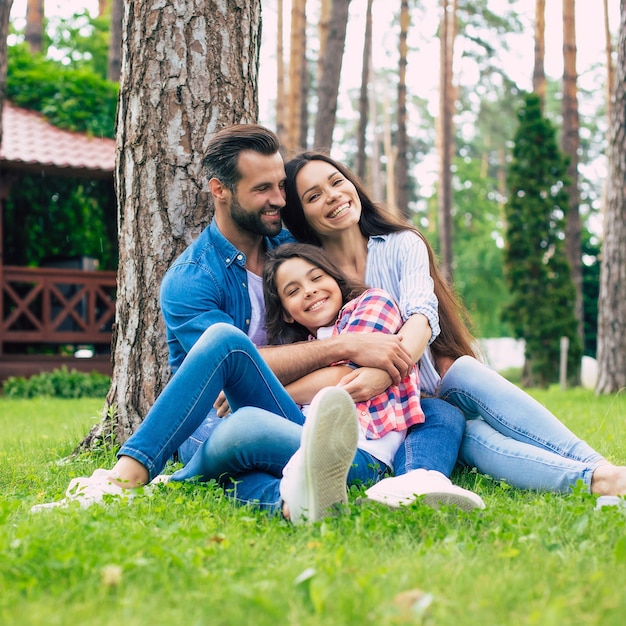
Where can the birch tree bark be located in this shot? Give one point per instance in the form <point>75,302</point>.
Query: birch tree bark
<point>188,69</point>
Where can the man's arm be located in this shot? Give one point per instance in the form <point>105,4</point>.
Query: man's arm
<point>378,350</point>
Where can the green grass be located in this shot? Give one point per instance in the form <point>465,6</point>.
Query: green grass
<point>186,555</point>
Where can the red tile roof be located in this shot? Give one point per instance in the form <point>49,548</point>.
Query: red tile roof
<point>31,143</point>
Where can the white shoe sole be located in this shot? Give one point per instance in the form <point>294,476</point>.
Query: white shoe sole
<point>433,497</point>
<point>329,441</point>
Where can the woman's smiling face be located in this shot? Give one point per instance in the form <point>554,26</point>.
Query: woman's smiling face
<point>330,201</point>
<point>308,295</point>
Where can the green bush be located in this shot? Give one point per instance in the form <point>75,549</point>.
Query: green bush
<point>60,383</point>
<point>73,99</point>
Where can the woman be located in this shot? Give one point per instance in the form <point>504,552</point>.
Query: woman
<point>307,298</point>
<point>509,435</point>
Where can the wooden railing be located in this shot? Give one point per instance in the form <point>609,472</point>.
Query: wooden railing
<point>56,306</point>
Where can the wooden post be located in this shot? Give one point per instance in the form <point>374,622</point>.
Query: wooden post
<point>563,363</point>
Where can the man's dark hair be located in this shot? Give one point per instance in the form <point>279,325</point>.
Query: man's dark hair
<point>227,144</point>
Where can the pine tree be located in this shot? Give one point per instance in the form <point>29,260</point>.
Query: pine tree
<point>541,310</point>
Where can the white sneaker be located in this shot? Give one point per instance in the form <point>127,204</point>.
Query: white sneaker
<point>610,501</point>
<point>315,477</point>
<point>87,491</point>
<point>161,479</point>
<point>437,490</point>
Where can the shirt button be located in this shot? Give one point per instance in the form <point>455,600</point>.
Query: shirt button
<point>363,413</point>
<point>247,321</point>
<point>227,260</point>
<point>239,257</point>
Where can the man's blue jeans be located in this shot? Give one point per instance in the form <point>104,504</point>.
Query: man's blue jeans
<point>511,436</point>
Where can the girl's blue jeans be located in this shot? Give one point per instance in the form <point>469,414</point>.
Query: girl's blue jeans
<point>254,443</point>
<point>511,436</point>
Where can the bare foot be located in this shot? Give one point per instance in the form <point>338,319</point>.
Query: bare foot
<point>609,480</point>
<point>129,473</point>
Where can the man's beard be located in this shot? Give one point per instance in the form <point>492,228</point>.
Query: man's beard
<point>252,222</point>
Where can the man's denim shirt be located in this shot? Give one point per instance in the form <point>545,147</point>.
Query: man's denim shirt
<point>206,284</point>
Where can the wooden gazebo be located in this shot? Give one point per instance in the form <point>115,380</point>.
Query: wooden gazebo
<point>52,306</point>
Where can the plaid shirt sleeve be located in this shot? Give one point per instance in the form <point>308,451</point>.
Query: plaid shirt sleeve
<point>373,311</point>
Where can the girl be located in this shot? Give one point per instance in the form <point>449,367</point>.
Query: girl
<point>307,297</point>
<point>509,435</point>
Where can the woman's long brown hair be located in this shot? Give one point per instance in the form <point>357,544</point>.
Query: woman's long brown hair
<point>455,338</point>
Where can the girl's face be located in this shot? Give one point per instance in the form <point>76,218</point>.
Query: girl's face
<point>329,200</point>
<point>308,295</point>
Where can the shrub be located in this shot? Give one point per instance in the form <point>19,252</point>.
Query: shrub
<point>59,383</point>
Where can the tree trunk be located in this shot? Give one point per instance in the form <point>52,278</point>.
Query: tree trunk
<point>297,69</point>
<point>366,71</point>
<point>376,182</point>
<point>280,75</point>
<point>331,72</point>
<point>326,8</point>
<point>610,70</point>
<point>446,36</point>
<point>34,25</point>
<point>390,159</point>
<point>402,167</point>
<point>189,70</point>
<point>570,145</point>
<point>5,13</point>
<point>612,298</point>
<point>539,75</point>
<point>115,42</point>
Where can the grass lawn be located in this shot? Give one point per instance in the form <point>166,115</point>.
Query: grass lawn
<point>186,556</point>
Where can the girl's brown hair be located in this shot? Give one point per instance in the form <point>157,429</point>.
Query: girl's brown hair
<point>455,338</point>
<point>278,330</point>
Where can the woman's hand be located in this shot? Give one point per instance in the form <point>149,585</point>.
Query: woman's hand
<point>365,383</point>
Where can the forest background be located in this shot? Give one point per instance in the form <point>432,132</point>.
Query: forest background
<point>492,67</point>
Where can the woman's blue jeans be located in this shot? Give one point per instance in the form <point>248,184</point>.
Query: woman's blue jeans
<point>511,436</point>
<point>223,358</point>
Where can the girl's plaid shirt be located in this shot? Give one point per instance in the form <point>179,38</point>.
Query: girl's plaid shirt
<point>398,407</point>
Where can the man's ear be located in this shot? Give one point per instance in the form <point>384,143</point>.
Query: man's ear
<point>287,317</point>
<point>217,188</point>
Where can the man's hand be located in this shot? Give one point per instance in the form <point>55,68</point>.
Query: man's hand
<point>380,351</point>
<point>365,383</point>
<point>221,405</point>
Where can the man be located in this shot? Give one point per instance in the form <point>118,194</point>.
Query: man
<point>218,279</point>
